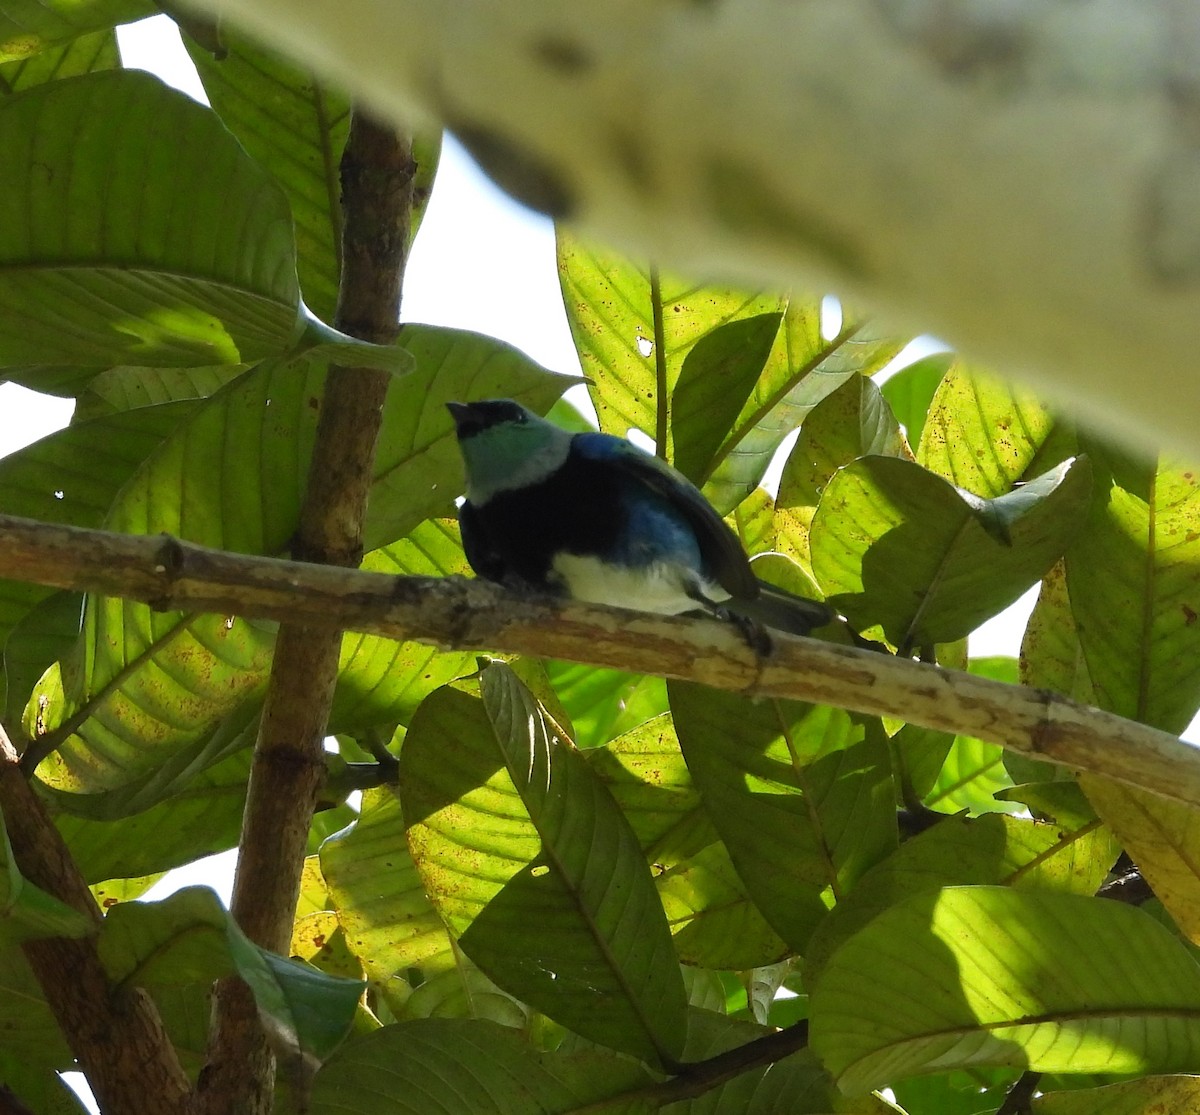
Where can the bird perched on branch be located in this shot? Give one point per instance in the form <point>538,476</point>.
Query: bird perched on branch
<point>593,517</point>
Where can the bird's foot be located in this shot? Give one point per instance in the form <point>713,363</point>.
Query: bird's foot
<point>756,636</point>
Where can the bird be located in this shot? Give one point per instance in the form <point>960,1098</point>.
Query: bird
<point>593,517</point>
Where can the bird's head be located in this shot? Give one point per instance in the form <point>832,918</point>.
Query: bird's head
<point>505,446</point>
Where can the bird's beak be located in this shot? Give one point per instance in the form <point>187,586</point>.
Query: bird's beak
<point>460,412</point>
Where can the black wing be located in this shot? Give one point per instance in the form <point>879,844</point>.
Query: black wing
<point>719,546</point>
<point>480,556</point>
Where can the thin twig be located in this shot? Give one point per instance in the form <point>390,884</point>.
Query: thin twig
<point>1019,1100</point>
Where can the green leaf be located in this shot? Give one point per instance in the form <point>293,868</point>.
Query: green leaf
<point>1162,1095</point>
<point>629,324</point>
<point>189,939</point>
<point>971,1092</point>
<point>919,757</point>
<point>796,1084</point>
<point>1131,582</point>
<point>644,771</point>
<point>30,26</point>
<point>302,1009</point>
<point>714,922</point>
<point>28,912</point>
<point>993,850</point>
<point>83,55</point>
<point>589,877</point>
<point>894,545</point>
<point>119,389</point>
<point>637,331</point>
<point>202,818</point>
<point>38,640</point>
<point>604,703</point>
<point>1051,657</point>
<point>971,776</point>
<point>984,435</point>
<point>1161,836</point>
<point>296,128</point>
<point>1061,802</point>
<point>850,422</point>
<point>393,928</point>
<point>29,1032</point>
<point>563,860</point>
<point>72,476</point>
<point>442,1066</point>
<point>910,392</point>
<point>715,380</point>
<point>381,681</point>
<point>37,1088</point>
<point>803,369</point>
<point>116,245</point>
<point>993,976</point>
<point>799,797</point>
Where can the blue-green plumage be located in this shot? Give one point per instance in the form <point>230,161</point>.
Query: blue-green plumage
<point>592,516</point>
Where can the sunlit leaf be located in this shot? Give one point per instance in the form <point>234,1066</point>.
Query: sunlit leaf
<point>116,243</point>
<point>715,376</point>
<point>985,435</point>
<point>994,976</point>
<point>202,817</point>
<point>118,389</point>
<point>394,929</point>
<point>853,421</point>
<point>96,50</point>
<point>1132,587</point>
<point>1161,835</point>
<point>910,392</point>
<point>634,329</point>
<point>894,545</point>
<point>1153,1095</point>
<point>30,26</point>
<point>713,920</point>
<point>795,793</point>
<point>566,862</point>
<point>381,681</point>
<point>993,850</point>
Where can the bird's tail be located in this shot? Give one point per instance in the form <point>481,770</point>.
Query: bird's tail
<point>781,610</point>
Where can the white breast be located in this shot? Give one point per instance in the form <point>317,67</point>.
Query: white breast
<point>658,587</point>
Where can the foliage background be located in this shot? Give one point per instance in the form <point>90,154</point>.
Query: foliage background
<point>519,905</point>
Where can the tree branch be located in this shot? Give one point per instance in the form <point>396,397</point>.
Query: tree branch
<point>698,1077</point>
<point>455,613</point>
<point>1025,186</point>
<point>1019,1100</point>
<point>287,772</point>
<point>116,1033</point>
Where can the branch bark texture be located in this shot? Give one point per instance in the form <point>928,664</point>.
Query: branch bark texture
<point>115,1032</point>
<point>460,614</point>
<point>1021,180</point>
<point>377,176</point>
